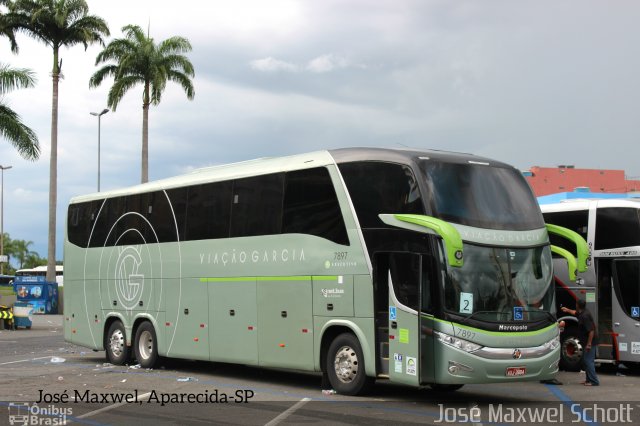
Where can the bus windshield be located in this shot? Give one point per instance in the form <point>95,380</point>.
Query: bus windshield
<point>481,196</point>
<point>494,280</point>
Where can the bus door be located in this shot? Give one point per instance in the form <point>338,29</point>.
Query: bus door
<point>410,347</point>
<point>603,315</point>
<point>626,308</point>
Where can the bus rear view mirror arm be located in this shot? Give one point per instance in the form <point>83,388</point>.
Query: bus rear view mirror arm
<point>582,249</point>
<point>572,263</point>
<point>431,225</point>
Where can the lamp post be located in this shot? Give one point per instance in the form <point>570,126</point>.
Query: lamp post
<point>99,114</point>
<point>2,168</point>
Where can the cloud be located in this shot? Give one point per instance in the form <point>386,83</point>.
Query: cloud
<point>526,84</point>
<point>272,65</point>
<point>319,65</point>
<point>326,63</point>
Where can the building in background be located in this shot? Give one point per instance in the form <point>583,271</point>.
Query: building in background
<point>552,180</point>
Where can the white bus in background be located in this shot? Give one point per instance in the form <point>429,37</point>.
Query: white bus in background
<point>41,271</point>
<point>611,290</point>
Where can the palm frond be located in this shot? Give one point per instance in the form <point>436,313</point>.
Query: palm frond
<point>18,134</point>
<point>15,78</point>
<point>120,87</point>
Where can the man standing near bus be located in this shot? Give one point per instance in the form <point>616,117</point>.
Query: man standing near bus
<point>588,338</point>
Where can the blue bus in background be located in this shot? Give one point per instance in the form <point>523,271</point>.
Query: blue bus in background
<point>38,292</point>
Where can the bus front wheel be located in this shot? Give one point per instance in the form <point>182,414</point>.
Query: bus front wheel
<point>146,346</point>
<point>116,344</point>
<point>345,366</point>
<point>571,350</point>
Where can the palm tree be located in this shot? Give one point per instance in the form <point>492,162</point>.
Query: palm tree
<point>19,250</point>
<point>56,23</point>
<point>138,60</point>
<point>6,29</point>
<point>11,126</point>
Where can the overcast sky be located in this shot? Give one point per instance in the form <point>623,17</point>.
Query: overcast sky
<point>529,83</point>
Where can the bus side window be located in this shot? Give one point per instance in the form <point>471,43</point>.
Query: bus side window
<point>208,211</point>
<point>377,187</point>
<point>405,275</point>
<point>256,205</point>
<point>617,227</point>
<point>577,221</point>
<point>311,206</point>
<point>80,221</point>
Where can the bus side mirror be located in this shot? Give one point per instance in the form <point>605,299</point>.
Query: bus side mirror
<point>582,249</point>
<point>572,263</point>
<point>431,225</point>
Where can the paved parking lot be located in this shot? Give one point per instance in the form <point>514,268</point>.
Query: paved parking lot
<point>76,385</point>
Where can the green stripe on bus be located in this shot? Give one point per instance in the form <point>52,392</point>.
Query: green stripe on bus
<point>499,333</point>
<point>283,278</point>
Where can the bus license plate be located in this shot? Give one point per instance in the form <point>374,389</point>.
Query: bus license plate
<point>516,371</point>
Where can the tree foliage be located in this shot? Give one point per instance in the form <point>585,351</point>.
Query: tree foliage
<point>137,60</point>
<point>56,23</point>
<point>20,255</point>
<point>12,128</point>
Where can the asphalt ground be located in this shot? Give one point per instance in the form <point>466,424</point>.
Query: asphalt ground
<point>76,386</point>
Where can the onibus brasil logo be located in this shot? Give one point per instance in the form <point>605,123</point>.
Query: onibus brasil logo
<point>129,281</point>
<point>25,414</point>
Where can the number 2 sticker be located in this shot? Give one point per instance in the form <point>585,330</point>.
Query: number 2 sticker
<point>466,303</point>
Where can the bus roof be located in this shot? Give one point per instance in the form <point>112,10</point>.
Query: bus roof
<point>585,204</point>
<point>59,268</point>
<point>263,166</point>
<point>562,197</point>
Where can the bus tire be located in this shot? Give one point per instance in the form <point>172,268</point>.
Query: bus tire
<point>345,366</point>
<point>146,345</point>
<point>444,388</point>
<point>115,344</point>
<point>571,350</point>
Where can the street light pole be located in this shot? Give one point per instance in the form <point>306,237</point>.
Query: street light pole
<point>2,168</point>
<point>99,115</point>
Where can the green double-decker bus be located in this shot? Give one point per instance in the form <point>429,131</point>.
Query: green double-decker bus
<point>420,267</point>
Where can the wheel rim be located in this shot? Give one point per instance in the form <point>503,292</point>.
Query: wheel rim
<point>116,343</point>
<point>572,349</point>
<point>145,345</point>
<point>346,364</point>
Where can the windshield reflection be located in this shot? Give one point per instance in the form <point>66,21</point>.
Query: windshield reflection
<point>494,280</point>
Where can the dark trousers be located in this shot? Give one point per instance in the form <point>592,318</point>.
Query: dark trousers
<point>588,363</point>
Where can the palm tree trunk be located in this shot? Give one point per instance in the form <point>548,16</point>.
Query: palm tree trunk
<point>145,134</point>
<point>53,172</point>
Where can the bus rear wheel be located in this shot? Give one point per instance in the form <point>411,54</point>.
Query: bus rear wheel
<point>116,344</point>
<point>146,345</point>
<point>345,366</point>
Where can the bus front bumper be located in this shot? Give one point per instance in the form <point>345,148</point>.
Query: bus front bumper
<point>496,365</point>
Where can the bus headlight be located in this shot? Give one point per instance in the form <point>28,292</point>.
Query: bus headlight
<point>553,343</point>
<point>457,343</point>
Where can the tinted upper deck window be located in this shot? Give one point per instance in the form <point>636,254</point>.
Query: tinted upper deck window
<point>311,206</point>
<point>617,227</point>
<point>381,188</point>
<point>576,221</point>
<point>481,196</point>
<point>257,205</point>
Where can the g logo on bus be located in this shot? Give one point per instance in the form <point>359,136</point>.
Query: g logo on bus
<point>129,282</point>
<point>517,354</point>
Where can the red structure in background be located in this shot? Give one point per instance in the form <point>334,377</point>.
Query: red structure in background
<point>551,180</point>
